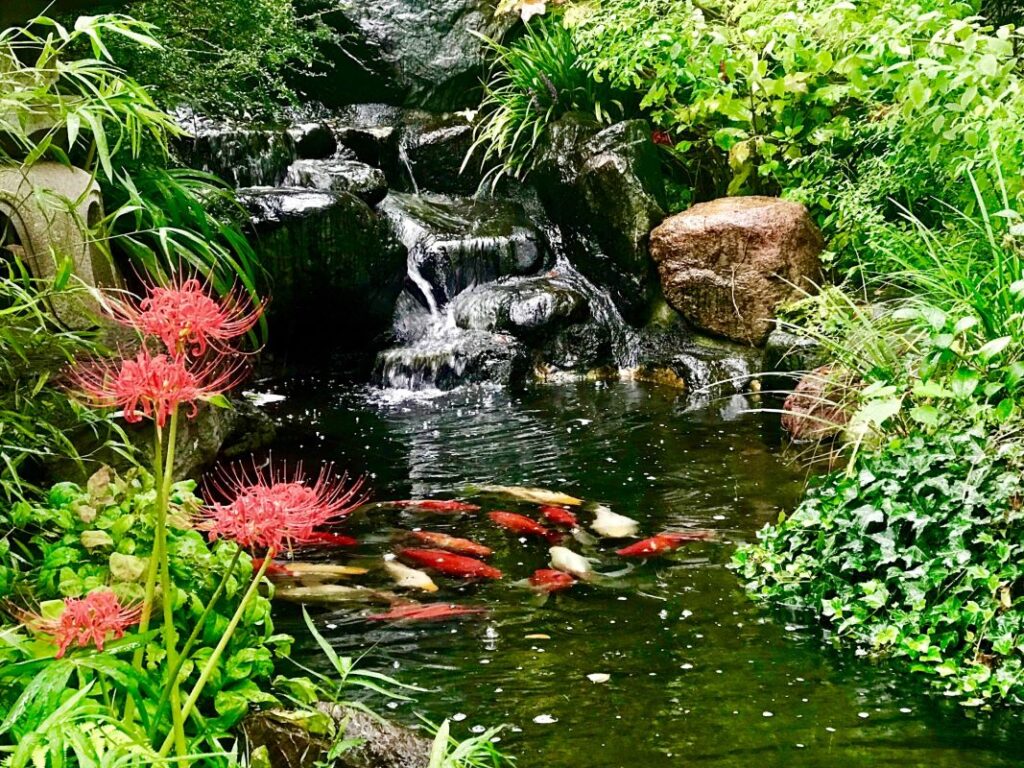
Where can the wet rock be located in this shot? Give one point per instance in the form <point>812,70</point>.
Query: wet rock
<point>384,744</point>
<point>242,156</point>
<point>787,356</point>
<point>454,243</point>
<point>333,175</point>
<point>816,409</point>
<point>407,52</point>
<point>434,146</point>
<point>605,189</point>
<point>624,193</point>
<point>296,739</point>
<point>577,348</point>
<point>370,132</point>
<point>520,306</point>
<point>727,265</point>
<point>313,141</point>
<point>448,359</point>
<point>335,269</point>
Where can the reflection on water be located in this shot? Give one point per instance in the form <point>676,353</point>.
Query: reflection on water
<point>697,674</point>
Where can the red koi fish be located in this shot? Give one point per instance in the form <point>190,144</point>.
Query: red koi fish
<point>325,539</point>
<point>273,569</point>
<point>548,580</point>
<point>439,505</point>
<point>524,525</point>
<point>432,612</point>
<point>449,564</point>
<point>560,516</point>
<point>452,543</point>
<point>663,542</point>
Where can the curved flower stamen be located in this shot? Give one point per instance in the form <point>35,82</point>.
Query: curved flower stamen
<point>186,318</point>
<point>277,510</point>
<point>87,620</point>
<point>153,386</point>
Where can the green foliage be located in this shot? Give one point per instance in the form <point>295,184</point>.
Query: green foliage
<point>37,421</point>
<point>915,553</point>
<point>61,107</point>
<point>82,539</point>
<point>224,57</point>
<point>844,106</point>
<point>535,80</point>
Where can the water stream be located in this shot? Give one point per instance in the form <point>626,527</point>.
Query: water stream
<point>698,675</point>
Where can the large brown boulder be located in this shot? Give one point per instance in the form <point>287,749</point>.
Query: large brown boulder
<point>727,265</point>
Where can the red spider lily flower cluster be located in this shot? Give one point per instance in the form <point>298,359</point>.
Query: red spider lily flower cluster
<point>152,386</point>
<point>662,138</point>
<point>274,511</point>
<point>88,620</point>
<point>199,363</point>
<point>187,319</point>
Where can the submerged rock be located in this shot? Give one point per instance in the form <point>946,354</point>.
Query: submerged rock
<point>333,175</point>
<point>335,268</point>
<point>727,265</point>
<point>448,359</point>
<point>454,243</point>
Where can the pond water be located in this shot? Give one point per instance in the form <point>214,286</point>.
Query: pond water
<point>698,675</point>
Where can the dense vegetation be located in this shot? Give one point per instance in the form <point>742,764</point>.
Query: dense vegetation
<point>899,127</point>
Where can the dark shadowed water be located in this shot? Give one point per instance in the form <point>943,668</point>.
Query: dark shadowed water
<point>698,675</point>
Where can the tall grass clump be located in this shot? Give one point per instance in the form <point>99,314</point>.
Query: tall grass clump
<point>535,79</point>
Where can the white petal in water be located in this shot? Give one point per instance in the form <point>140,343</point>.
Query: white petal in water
<point>612,525</point>
<point>545,719</point>
<point>598,677</point>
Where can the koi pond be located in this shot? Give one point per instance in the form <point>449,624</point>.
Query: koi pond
<point>664,663</point>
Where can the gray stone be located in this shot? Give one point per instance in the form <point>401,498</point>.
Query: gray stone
<point>454,243</point>
<point>49,207</point>
<point>524,307</point>
<point>605,188</point>
<point>297,739</point>
<point>362,180</point>
<point>334,267</point>
<point>727,265</point>
<point>242,156</point>
<point>431,150</point>
<point>448,359</point>
<point>407,52</point>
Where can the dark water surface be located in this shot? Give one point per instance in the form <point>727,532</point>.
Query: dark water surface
<point>699,676</point>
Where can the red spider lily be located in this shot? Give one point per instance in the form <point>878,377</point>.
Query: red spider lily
<point>87,620</point>
<point>153,386</point>
<point>279,510</point>
<point>662,138</point>
<point>186,318</point>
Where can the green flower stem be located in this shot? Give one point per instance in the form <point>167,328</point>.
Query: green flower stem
<point>211,663</point>
<point>196,631</point>
<point>151,571</point>
<point>165,478</point>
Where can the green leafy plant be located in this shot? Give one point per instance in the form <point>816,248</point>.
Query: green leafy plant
<point>535,80</point>
<point>914,554</point>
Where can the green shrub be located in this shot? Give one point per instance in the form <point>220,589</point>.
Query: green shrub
<point>535,80</point>
<point>917,552</point>
<point>844,106</point>
<point>223,57</point>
